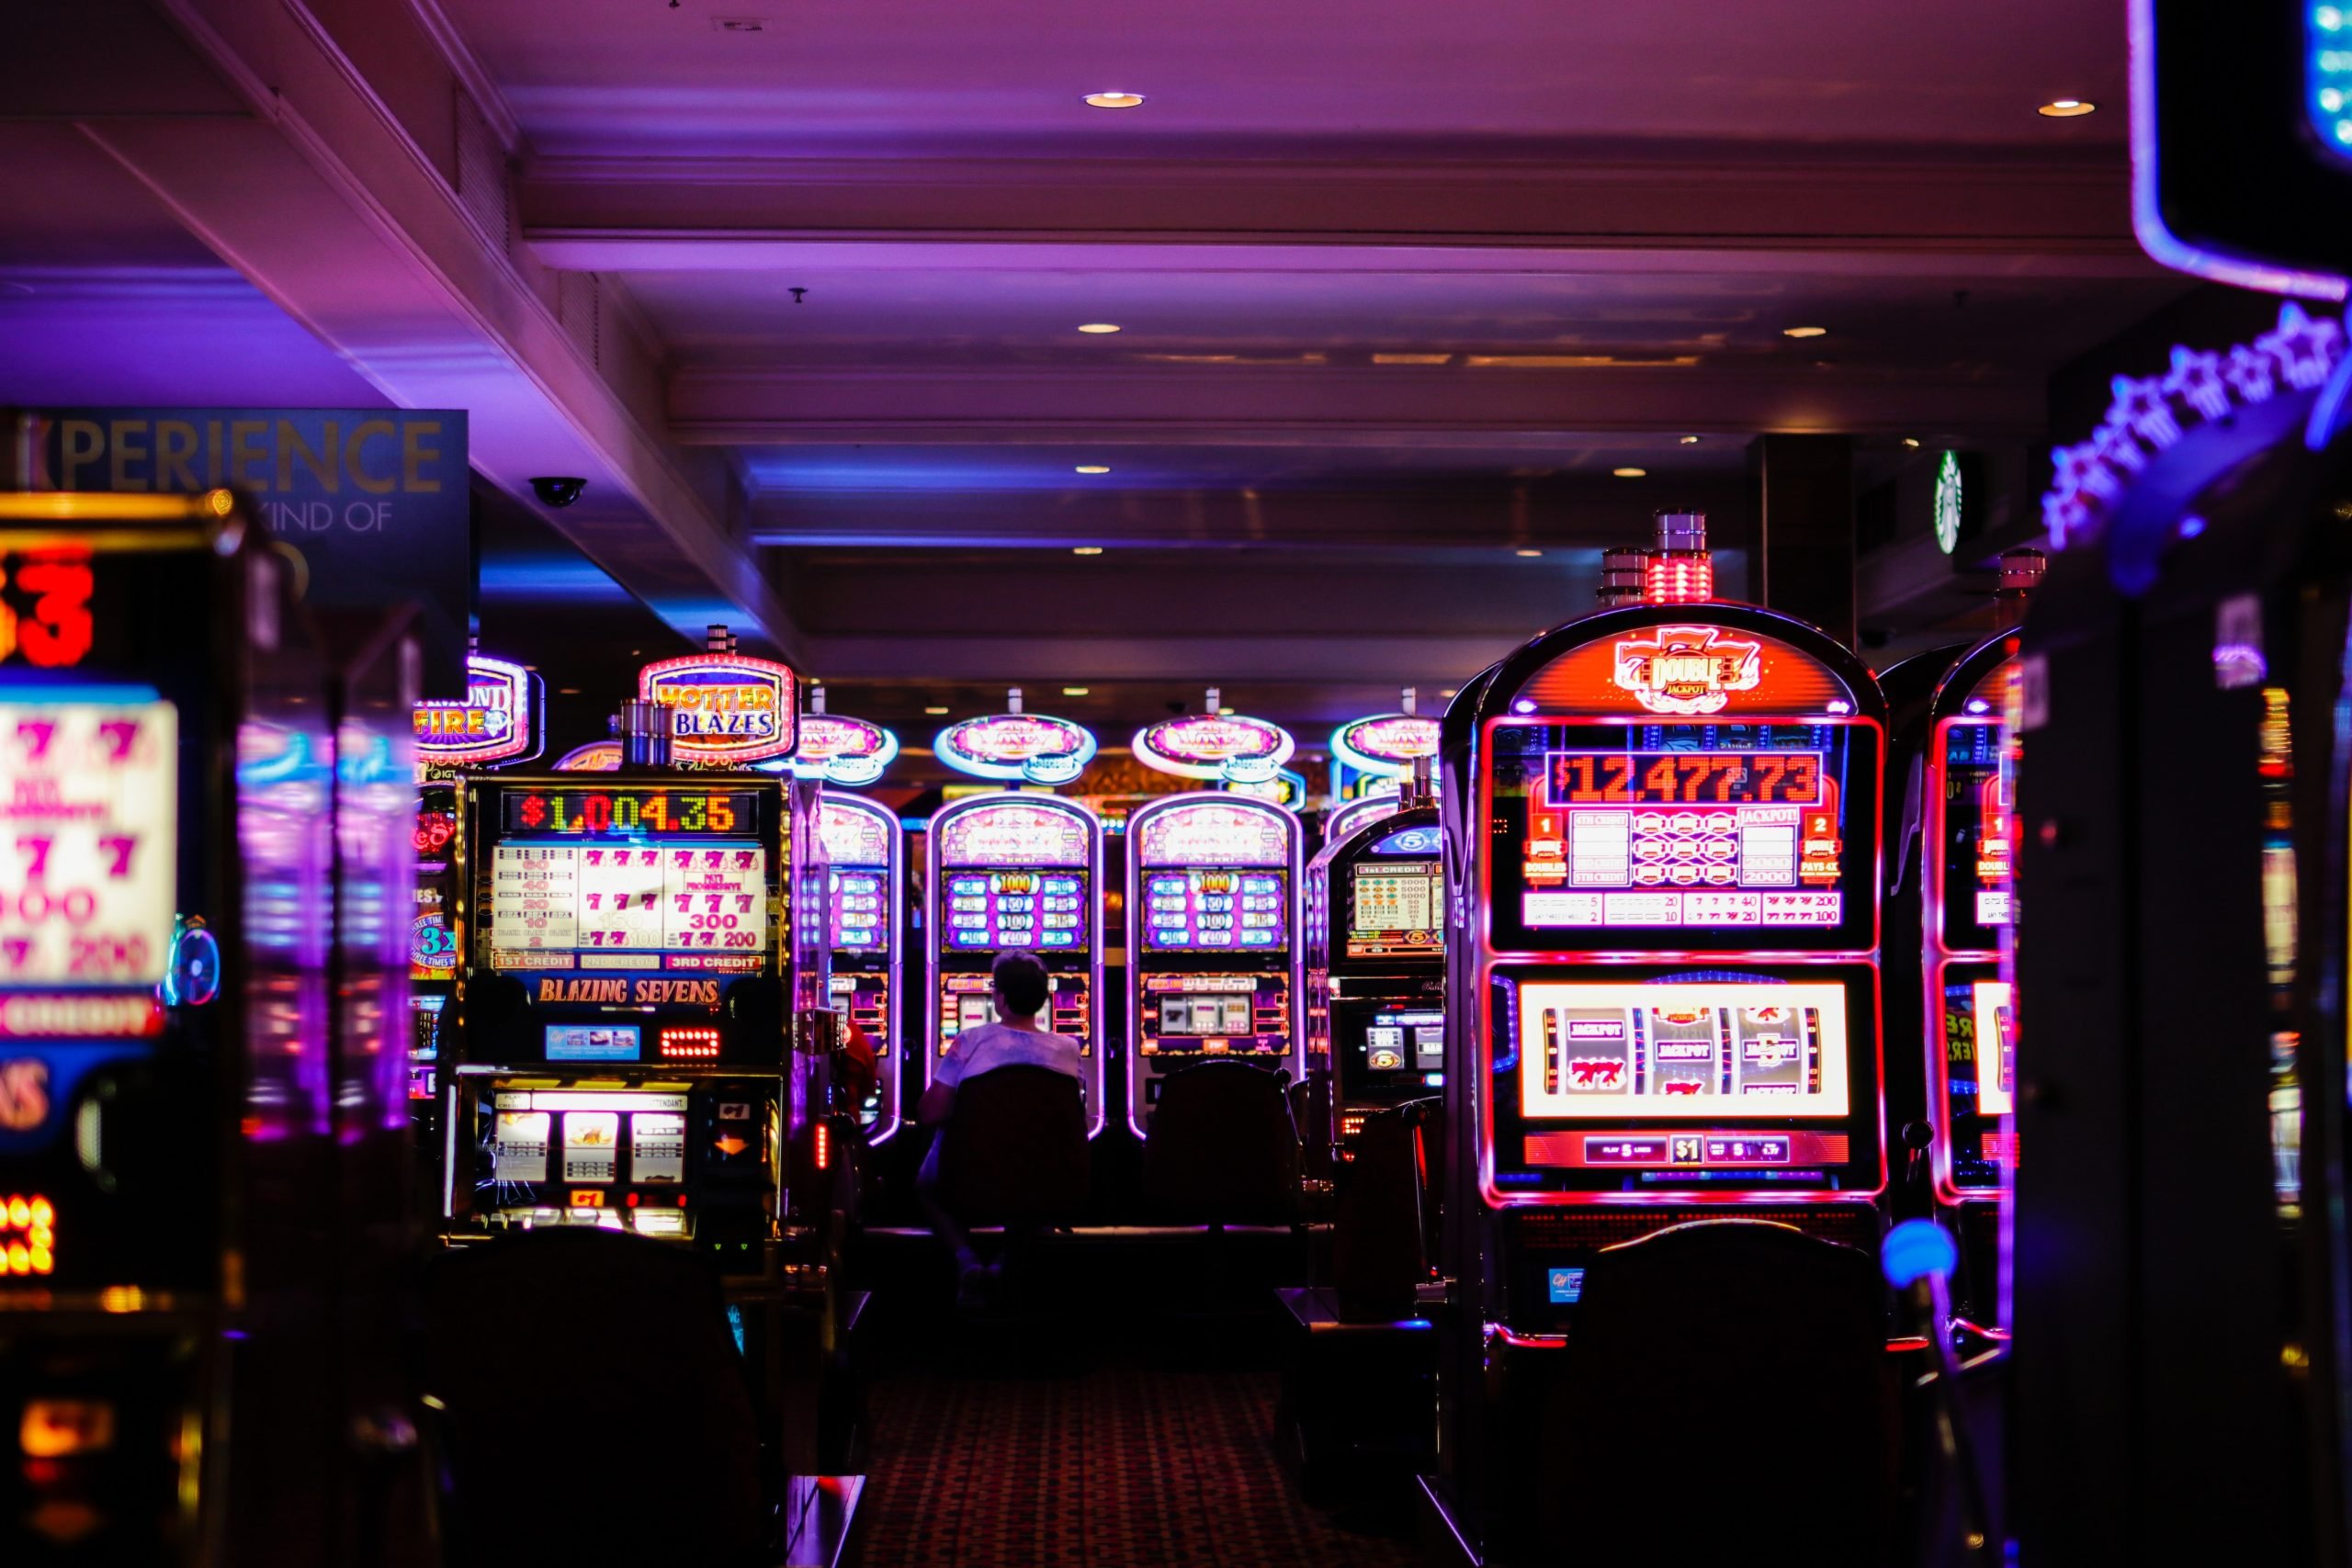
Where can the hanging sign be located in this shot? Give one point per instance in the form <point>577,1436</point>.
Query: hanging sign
<point>724,708</point>
<point>839,750</point>
<point>1032,748</point>
<point>1386,744</point>
<point>596,757</point>
<point>503,719</point>
<point>1215,746</point>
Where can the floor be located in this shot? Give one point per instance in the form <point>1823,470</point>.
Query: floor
<point>1128,1460</point>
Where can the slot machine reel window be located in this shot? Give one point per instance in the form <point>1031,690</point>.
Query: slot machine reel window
<point>669,877</point>
<point>1975,836</point>
<point>1689,837</point>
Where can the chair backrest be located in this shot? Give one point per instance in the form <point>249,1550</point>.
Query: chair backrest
<point>1015,1149</point>
<point>541,1336</point>
<point>1699,1349</point>
<point>1377,1254</point>
<point>1223,1148</point>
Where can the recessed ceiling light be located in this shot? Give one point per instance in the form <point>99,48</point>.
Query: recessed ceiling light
<point>2065,108</point>
<point>567,691</point>
<point>1073,691</point>
<point>1530,553</point>
<point>1446,694</point>
<point>1805,331</point>
<point>1912,442</point>
<point>1094,467</point>
<point>1115,100</point>
<point>1225,713</point>
<point>1086,549</point>
<point>1631,473</point>
<point>1690,441</point>
<point>934,712</point>
<point>1099,327</point>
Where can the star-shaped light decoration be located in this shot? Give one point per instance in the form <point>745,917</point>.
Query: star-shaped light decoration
<point>2305,349</point>
<point>2141,406</point>
<point>2253,376</point>
<point>2196,379</point>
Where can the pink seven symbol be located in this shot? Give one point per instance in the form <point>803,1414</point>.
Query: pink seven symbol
<point>120,735</point>
<point>36,733</point>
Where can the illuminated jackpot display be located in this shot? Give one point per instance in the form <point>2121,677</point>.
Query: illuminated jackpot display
<point>1214,960</point>
<point>1016,871</point>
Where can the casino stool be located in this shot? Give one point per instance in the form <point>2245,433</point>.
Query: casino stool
<point>593,1405</point>
<point>1222,1149</point>
<point>1727,1397</point>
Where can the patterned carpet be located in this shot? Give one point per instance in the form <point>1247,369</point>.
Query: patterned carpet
<point>1122,1467</point>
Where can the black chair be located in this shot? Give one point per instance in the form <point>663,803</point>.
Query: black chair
<point>1727,1397</point>
<point>544,1340</point>
<point>1015,1150</point>
<point>1222,1149</point>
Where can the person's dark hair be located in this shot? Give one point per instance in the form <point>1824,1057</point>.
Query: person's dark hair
<point>1020,978</point>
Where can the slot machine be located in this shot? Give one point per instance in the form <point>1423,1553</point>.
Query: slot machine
<point>633,947</point>
<point>202,1117</point>
<point>1664,823</point>
<point>1017,869</point>
<point>1970,1023</point>
<point>1379,801</point>
<point>1215,967</point>
<point>499,722</point>
<point>1375,964</point>
<point>865,853</point>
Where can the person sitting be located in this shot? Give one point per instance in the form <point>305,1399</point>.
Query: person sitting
<point>1019,987</point>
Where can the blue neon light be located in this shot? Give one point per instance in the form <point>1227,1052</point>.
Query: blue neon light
<point>2327,77</point>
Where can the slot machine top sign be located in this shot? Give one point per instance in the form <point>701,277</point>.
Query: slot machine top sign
<point>1032,748</point>
<point>500,721</point>
<point>839,750</point>
<point>1385,745</point>
<point>724,708</point>
<point>1215,746</point>
<point>1687,669</point>
<point>1014,832</point>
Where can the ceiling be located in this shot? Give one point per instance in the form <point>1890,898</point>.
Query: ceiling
<point>1399,287</point>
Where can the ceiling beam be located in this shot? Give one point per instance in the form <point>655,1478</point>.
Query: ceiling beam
<point>1388,405</point>
<point>1789,215</point>
<point>326,201</point>
<point>1389,657</point>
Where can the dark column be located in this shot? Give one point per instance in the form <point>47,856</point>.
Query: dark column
<point>1802,552</point>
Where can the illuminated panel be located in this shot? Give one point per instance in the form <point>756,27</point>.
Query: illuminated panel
<point>575,900</point>
<point>1688,671</point>
<point>1602,1051</point>
<point>840,750</point>
<point>1211,832</point>
<point>596,757</point>
<point>500,721</point>
<point>1032,747</point>
<point>1215,746</point>
<point>1677,577</point>
<point>1727,831</point>
<point>28,1236</point>
<point>1395,907</point>
<point>1385,745</point>
<point>983,909</point>
<point>88,889</point>
<point>724,707</point>
<point>2328,83</point>
<point>857,846</point>
<point>1013,833</point>
<point>1213,909</point>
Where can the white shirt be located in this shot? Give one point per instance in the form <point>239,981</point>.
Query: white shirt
<point>986,1046</point>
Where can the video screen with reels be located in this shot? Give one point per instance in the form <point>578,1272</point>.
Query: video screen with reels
<point>1697,836</point>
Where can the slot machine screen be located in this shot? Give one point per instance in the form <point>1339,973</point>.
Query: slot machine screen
<point>1393,907</point>
<point>1748,836</point>
<point>664,878</point>
<point>1621,1083</point>
<point>1976,836</point>
<point>857,848</point>
<point>1214,910</point>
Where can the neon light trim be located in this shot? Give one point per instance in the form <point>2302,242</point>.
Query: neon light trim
<point>1385,745</point>
<point>724,707</point>
<point>839,750</point>
<point>1032,748</point>
<point>503,719</point>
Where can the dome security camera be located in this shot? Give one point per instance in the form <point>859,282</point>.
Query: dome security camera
<point>555,490</point>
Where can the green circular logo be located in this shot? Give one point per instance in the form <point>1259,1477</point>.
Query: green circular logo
<point>1950,500</point>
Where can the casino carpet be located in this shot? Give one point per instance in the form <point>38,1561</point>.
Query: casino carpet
<point>1122,1467</point>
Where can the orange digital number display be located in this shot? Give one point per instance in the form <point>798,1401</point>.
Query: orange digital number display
<point>1683,778</point>
<point>45,615</point>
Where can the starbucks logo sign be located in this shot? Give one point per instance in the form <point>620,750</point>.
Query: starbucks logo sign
<point>1951,502</point>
